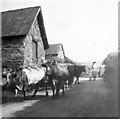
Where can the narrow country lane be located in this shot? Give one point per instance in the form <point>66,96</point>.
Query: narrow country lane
<point>87,99</point>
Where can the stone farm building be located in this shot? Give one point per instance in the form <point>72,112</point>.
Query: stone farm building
<point>55,52</point>
<point>24,38</point>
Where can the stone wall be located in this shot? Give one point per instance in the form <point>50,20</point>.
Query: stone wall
<point>12,52</point>
<point>34,34</point>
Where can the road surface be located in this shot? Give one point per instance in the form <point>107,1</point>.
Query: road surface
<point>87,99</point>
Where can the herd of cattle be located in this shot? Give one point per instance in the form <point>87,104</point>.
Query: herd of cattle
<point>50,74</point>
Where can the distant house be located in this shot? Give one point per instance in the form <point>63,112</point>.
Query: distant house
<point>24,38</point>
<point>55,52</point>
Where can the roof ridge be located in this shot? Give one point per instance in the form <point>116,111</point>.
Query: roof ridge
<point>21,9</point>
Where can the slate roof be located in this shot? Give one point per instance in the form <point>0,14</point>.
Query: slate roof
<point>18,22</point>
<point>69,60</point>
<point>54,49</point>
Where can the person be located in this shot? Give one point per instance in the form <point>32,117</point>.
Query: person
<point>102,70</point>
<point>99,71</point>
<point>90,74</point>
<point>94,65</point>
<point>94,71</point>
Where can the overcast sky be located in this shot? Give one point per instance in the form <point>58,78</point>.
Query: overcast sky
<point>88,29</point>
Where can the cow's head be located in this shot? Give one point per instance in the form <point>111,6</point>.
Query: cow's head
<point>83,67</point>
<point>48,68</point>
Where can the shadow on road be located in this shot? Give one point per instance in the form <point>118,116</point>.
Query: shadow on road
<point>20,99</point>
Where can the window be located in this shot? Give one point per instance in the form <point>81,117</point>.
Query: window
<point>34,50</point>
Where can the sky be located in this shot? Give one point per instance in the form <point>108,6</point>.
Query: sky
<point>88,29</point>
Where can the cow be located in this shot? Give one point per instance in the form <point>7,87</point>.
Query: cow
<point>58,74</point>
<point>4,79</point>
<point>25,78</point>
<point>75,71</point>
<point>78,70</point>
<point>8,81</point>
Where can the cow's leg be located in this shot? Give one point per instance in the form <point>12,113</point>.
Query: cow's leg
<point>46,89</point>
<point>34,92</point>
<point>66,83</point>
<point>16,92</point>
<point>36,89</point>
<point>53,90</point>
<point>70,83</point>
<point>57,92</point>
<point>77,80</point>
<point>63,91</point>
<point>53,87</point>
<point>23,89</point>
<point>58,88</point>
